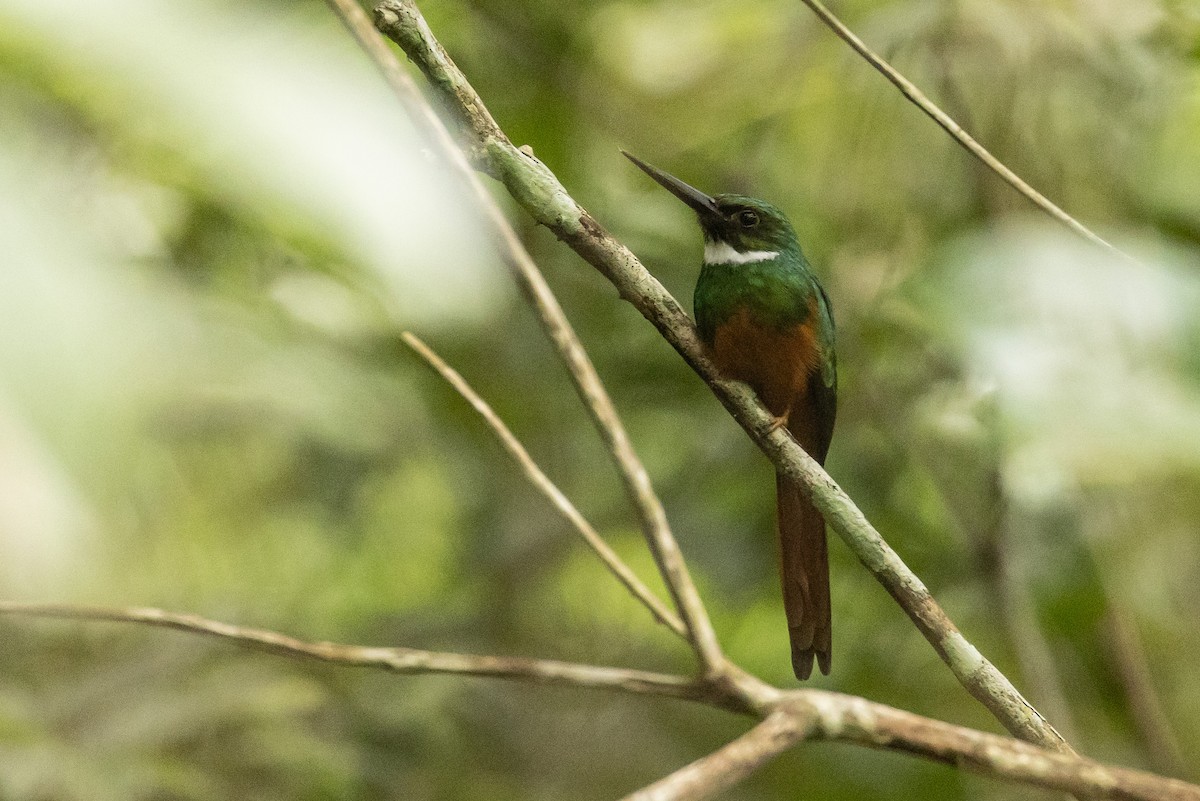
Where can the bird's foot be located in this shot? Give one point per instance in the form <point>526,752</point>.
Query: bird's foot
<point>777,423</point>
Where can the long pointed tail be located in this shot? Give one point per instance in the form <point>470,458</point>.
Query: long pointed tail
<point>805,574</point>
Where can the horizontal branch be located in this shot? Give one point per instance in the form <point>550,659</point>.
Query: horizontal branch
<point>544,485</point>
<point>845,718</point>
<point>394,660</point>
<point>788,718</point>
<point>541,194</point>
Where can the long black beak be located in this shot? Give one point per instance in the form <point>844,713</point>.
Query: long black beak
<point>703,204</point>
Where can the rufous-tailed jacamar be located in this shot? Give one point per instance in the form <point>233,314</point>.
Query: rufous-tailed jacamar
<point>766,321</point>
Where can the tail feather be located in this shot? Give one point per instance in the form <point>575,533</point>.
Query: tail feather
<point>805,576</point>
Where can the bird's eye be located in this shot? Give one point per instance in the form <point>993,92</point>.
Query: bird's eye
<point>747,218</point>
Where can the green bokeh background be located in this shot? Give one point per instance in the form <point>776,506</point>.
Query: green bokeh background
<point>215,222</point>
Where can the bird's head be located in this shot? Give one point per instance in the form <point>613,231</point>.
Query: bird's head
<point>737,229</point>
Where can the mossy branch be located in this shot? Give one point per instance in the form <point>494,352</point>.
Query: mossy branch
<point>790,718</point>
<point>540,193</point>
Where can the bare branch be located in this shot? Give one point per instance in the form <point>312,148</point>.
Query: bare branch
<point>537,189</point>
<point>394,74</point>
<point>732,763</point>
<point>909,90</point>
<point>587,382</point>
<point>845,718</point>
<point>394,660</point>
<point>821,715</point>
<point>788,717</point>
<point>547,487</point>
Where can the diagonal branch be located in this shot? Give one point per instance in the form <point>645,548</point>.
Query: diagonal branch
<point>787,718</point>
<point>547,487</point>
<point>540,193</point>
<point>918,98</point>
<point>583,373</point>
<point>732,763</point>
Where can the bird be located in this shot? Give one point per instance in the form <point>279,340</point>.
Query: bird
<point>766,321</point>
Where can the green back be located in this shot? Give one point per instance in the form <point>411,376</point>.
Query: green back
<point>778,291</point>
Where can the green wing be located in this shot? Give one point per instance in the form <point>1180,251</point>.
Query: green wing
<point>822,388</point>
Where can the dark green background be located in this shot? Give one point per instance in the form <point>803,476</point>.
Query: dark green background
<point>206,259</point>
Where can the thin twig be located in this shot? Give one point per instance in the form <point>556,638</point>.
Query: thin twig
<point>394,660</point>
<point>540,193</point>
<point>789,717</point>
<point>731,764</point>
<point>583,373</point>
<point>909,90</point>
<point>394,74</point>
<point>547,487</point>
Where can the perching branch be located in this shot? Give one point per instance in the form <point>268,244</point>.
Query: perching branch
<point>918,98</point>
<point>547,487</point>
<point>788,718</point>
<point>550,314</point>
<point>538,190</point>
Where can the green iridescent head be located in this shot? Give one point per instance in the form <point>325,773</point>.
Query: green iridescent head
<point>736,228</point>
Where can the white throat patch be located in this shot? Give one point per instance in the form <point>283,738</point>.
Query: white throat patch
<point>723,253</point>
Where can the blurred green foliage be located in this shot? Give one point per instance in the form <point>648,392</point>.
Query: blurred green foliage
<point>214,222</point>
